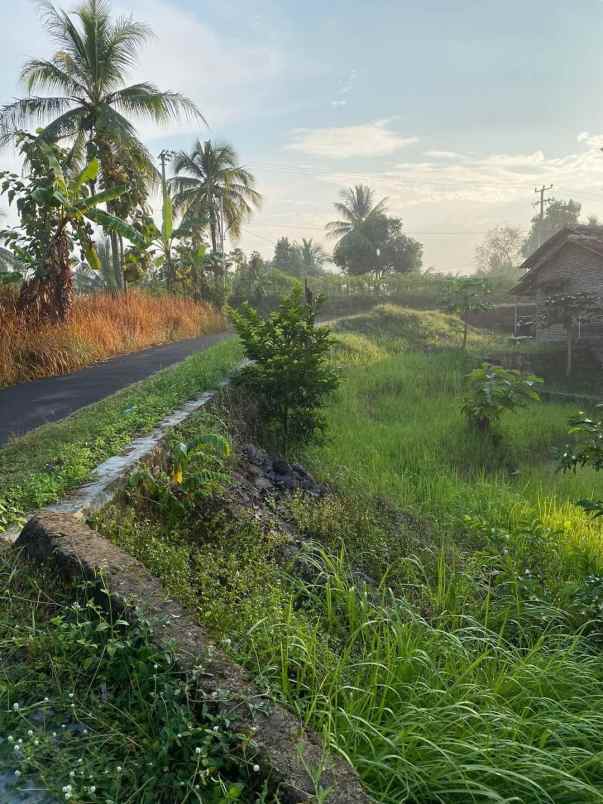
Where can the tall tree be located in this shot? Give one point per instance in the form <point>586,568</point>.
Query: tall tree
<point>209,182</point>
<point>312,257</point>
<point>56,212</point>
<point>500,253</point>
<point>360,230</point>
<point>558,214</point>
<point>399,253</point>
<point>356,208</point>
<point>89,101</point>
<point>287,257</point>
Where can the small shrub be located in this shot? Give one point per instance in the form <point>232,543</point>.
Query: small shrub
<point>587,451</point>
<point>494,389</point>
<point>289,374</point>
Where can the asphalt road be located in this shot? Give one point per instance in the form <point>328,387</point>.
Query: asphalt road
<point>27,405</point>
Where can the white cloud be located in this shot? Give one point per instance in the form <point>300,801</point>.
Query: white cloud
<point>444,155</point>
<point>225,77</point>
<point>368,140</point>
<point>338,103</point>
<point>489,180</point>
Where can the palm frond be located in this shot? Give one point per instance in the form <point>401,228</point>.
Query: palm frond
<point>145,100</point>
<point>15,117</point>
<point>41,74</point>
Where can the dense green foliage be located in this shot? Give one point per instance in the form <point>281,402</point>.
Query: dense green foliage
<point>587,450</point>
<point>81,94</point>
<point>557,215</point>
<point>289,375</point>
<point>368,241</point>
<point>92,711</point>
<point>492,390</point>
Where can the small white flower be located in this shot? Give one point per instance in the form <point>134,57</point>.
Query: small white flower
<point>118,768</point>
<point>216,728</point>
<point>46,700</point>
<point>36,742</point>
<point>54,734</point>
<point>16,707</point>
<point>30,733</point>
<point>10,738</point>
<point>93,789</point>
<point>197,750</point>
<point>17,773</point>
<point>256,768</point>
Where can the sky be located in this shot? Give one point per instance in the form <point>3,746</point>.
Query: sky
<point>453,110</point>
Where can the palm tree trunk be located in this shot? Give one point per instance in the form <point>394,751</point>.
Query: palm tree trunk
<point>116,260</point>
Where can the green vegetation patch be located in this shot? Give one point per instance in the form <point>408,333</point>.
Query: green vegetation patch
<point>91,711</point>
<point>401,328</point>
<point>441,627</point>
<point>41,466</point>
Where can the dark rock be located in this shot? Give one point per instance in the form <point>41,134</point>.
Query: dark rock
<point>287,482</point>
<point>281,467</point>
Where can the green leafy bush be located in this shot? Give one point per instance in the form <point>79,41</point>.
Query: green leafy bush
<point>289,374</point>
<point>587,451</point>
<point>493,389</point>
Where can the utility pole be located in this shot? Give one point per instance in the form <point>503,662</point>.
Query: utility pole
<point>164,157</point>
<point>541,191</point>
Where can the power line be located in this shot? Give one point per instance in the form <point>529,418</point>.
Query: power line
<point>458,233</point>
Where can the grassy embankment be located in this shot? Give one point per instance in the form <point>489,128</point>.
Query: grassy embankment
<point>41,466</point>
<point>102,326</point>
<point>469,669</point>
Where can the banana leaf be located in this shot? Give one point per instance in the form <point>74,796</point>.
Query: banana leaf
<point>103,197</point>
<point>114,224</point>
<point>88,174</point>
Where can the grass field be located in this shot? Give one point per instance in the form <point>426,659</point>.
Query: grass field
<point>102,325</point>
<point>445,632</point>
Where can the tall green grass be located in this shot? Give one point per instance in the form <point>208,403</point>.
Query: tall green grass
<point>442,626</point>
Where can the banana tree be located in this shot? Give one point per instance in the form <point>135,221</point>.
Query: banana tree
<point>57,212</point>
<point>163,241</point>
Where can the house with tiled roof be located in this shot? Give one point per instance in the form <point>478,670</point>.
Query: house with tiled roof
<point>569,262</point>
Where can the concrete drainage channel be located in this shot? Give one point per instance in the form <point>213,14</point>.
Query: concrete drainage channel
<point>292,758</point>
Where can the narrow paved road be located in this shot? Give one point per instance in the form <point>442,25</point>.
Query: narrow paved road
<point>30,404</point>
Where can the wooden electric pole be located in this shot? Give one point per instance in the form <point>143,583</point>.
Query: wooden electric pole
<point>540,203</point>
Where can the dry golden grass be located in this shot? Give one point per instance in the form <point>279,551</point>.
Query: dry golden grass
<point>102,325</point>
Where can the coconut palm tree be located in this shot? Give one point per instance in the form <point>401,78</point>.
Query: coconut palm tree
<point>80,93</point>
<point>210,183</point>
<point>357,209</point>
<point>312,257</point>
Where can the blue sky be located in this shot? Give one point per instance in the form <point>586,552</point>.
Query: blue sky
<point>453,110</point>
